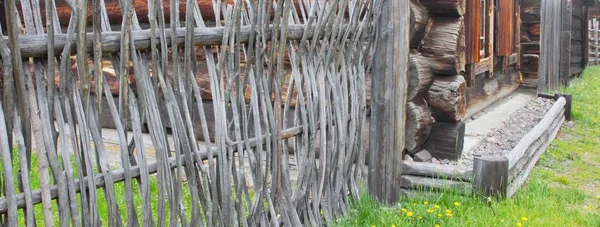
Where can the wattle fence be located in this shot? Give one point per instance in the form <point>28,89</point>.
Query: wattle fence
<point>287,92</point>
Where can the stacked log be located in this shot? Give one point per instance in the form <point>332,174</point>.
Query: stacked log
<point>421,24</point>
<point>444,48</point>
<point>436,88</point>
<point>420,77</point>
<point>447,98</point>
<point>418,117</point>
<point>418,124</point>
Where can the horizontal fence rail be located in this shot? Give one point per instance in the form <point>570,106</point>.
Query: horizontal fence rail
<point>287,108</point>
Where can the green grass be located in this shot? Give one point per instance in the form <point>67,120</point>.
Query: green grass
<point>101,201</point>
<point>562,190</point>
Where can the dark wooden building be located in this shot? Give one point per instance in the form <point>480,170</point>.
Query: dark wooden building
<point>479,51</point>
<point>564,41</point>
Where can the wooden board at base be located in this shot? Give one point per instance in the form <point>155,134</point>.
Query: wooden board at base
<point>487,91</point>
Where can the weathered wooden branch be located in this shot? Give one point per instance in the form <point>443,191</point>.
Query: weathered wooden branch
<point>533,148</point>
<point>517,152</point>
<point>521,177</point>
<point>437,171</point>
<point>115,15</point>
<point>118,175</point>
<point>37,45</point>
<point>428,183</point>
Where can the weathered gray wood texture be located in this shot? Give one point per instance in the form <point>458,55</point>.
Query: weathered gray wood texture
<point>388,100</point>
<point>275,85</point>
<point>525,155</point>
<point>490,176</point>
<point>563,42</point>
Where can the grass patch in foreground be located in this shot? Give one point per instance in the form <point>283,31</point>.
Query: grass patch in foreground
<point>562,190</point>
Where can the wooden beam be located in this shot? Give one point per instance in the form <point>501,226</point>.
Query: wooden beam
<point>388,100</point>
<point>37,45</point>
<point>115,15</point>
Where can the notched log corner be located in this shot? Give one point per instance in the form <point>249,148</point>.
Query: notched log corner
<point>447,98</point>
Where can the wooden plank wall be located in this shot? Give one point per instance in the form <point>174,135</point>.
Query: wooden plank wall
<point>530,38</point>
<point>577,34</point>
<point>554,22</point>
<point>565,48</point>
<point>562,42</point>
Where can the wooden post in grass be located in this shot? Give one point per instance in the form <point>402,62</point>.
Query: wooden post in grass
<point>569,99</point>
<point>388,102</point>
<point>490,176</point>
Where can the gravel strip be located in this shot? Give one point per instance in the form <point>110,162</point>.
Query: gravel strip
<point>504,137</point>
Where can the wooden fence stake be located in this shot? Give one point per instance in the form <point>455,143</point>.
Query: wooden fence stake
<point>490,176</point>
<point>388,111</point>
<point>569,99</point>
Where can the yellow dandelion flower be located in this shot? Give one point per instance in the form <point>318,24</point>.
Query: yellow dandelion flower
<point>524,218</point>
<point>449,215</point>
<point>393,225</point>
<point>456,204</point>
<point>420,217</point>
<point>437,225</point>
<point>425,202</point>
<point>409,214</point>
<point>448,211</point>
<point>430,211</point>
<point>439,215</point>
<point>404,210</point>
<point>519,224</point>
<point>436,206</point>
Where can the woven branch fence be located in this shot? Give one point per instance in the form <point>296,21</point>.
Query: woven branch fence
<point>287,82</point>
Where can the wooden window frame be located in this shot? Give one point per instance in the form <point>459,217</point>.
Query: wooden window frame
<point>480,59</point>
<point>483,34</point>
<point>480,30</point>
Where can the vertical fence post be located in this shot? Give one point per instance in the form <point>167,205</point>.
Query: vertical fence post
<point>389,87</point>
<point>490,176</point>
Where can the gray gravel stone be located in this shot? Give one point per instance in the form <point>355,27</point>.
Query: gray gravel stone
<point>423,156</point>
<point>504,137</point>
